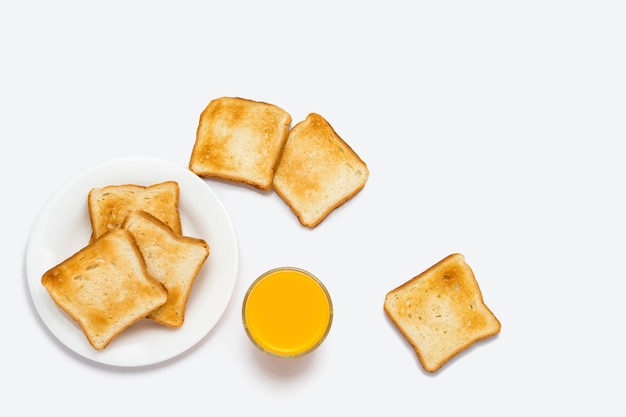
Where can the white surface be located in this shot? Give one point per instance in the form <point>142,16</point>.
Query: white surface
<point>63,228</point>
<point>491,128</point>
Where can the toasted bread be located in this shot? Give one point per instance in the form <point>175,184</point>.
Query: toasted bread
<point>173,260</point>
<point>317,171</point>
<point>105,287</point>
<point>441,311</point>
<point>240,140</point>
<point>108,206</point>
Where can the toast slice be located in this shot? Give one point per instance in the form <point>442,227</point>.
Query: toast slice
<point>240,140</point>
<point>173,260</point>
<point>105,287</point>
<point>317,171</point>
<point>441,311</point>
<point>108,206</point>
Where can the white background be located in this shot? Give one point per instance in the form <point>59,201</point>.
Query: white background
<point>490,128</point>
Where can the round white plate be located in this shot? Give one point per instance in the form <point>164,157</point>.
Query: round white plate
<point>63,228</point>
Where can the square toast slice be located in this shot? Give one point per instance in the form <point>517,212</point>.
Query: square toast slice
<point>240,140</point>
<point>173,260</point>
<point>105,287</point>
<point>317,171</point>
<point>108,206</point>
<point>441,311</point>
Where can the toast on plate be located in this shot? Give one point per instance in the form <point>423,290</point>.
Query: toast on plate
<point>317,171</point>
<point>240,140</point>
<point>108,206</point>
<point>441,311</point>
<point>173,260</point>
<point>105,287</point>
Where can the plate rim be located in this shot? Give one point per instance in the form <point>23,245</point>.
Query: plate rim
<point>129,166</point>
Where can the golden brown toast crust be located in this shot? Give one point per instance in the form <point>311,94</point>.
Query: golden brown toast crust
<point>173,260</point>
<point>441,311</point>
<point>318,171</point>
<point>105,287</point>
<point>108,206</point>
<point>240,140</point>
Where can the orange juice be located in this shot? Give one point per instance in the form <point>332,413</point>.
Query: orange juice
<point>287,312</point>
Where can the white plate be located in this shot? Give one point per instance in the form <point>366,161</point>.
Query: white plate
<point>63,228</point>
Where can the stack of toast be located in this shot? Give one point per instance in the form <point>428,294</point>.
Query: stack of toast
<point>308,165</point>
<point>136,265</point>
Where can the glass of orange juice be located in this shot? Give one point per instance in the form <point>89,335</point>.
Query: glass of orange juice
<point>287,312</point>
